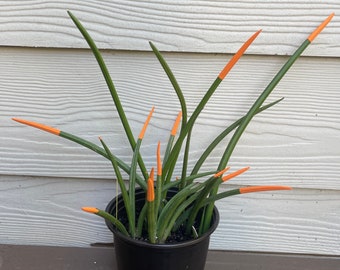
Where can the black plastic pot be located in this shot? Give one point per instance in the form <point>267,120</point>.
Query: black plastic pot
<point>133,254</point>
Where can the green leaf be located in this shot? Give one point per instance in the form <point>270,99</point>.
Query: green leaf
<point>249,116</point>
<point>173,81</point>
<point>110,85</point>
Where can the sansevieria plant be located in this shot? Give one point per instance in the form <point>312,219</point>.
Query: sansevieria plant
<point>191,208</point>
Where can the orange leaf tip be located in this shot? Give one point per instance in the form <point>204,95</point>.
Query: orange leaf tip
<point>318,30</point>
<point>150,194</point>
<point>238,55</point>
<point>234,174</point>
<point>176,124</point>
<point>159,162</point>
<point>263,188</point>
<point>37,125</point>
<point>152,173</point>
<point>92,210</point>
<point>218,174</point>
<point>141,135</point>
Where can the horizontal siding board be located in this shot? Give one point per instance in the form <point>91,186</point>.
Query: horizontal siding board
<point>189,26</point>
<point>286,217</point>
<point>294,143</point>
<point>44,180</point>
<point>46,211</point>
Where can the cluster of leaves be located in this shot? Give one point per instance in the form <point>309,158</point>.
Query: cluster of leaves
<point>160,216</point>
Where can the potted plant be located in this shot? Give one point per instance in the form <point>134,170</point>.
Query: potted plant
<point>159,222</point>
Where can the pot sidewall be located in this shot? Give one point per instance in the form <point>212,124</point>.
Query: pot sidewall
<point>132,254</point>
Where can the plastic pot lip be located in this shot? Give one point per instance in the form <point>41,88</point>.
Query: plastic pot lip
<point>215,222</point>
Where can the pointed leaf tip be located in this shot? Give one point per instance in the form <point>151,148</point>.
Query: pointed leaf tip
<point>152,174</point>
<point>263,188</point>
<point>92,210</point>
<point>220,173</point>
<point>318,30</point>
<point>141,135</point>
<point>150,194</point>
<point>38,125</point>
<point>234,174</point>
<point>176,124</point>
<point>238,55</point>
<point>159,161</point>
